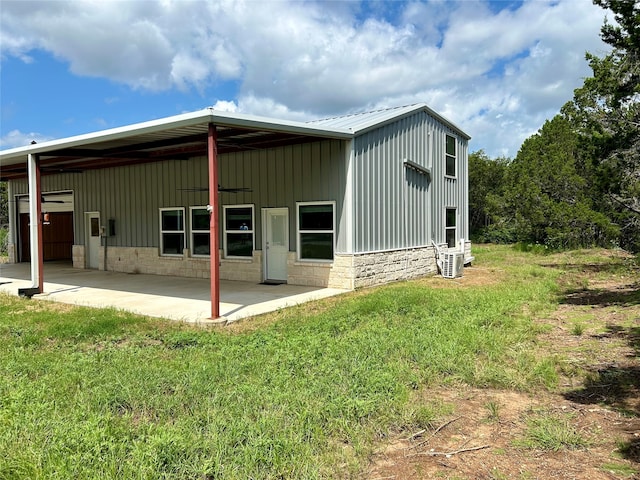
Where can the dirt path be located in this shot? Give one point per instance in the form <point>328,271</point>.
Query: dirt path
<point>590,425</point>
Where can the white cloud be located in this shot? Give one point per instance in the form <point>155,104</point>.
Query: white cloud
<point>225,106</point>
<point>301,60</point>
<point>270,108</point>
<point>16,138</point>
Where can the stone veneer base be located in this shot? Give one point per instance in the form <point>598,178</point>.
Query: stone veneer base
<point>147,260</point>
<point>364,269</point>
<point>347,271</point>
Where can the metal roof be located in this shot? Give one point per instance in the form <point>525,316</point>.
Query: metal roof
<point>183,136</point>
<point>361,122</point>
<point>179,136</point>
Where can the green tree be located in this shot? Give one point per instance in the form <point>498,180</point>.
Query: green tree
<point>486,204</point>
<point>606,112</point>
<point>547,191</point>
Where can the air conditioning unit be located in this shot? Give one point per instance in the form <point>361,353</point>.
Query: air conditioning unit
<point>452,264</point>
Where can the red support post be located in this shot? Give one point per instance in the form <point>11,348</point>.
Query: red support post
<point>214,242</point>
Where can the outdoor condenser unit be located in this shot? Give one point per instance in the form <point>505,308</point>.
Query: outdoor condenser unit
<point>452,264</point>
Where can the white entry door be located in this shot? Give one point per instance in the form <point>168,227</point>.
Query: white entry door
<point>92,238</point>
<point>275,243</point>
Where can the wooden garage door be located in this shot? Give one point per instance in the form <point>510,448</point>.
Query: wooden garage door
<point>57,237</point>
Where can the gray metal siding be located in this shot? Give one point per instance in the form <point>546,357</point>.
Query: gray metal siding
<point>283,176</point>
<point>132,195</point>
<point>396,207</point>
<point>391,202</point>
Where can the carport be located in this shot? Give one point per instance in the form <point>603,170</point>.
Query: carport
<point>176,298</point>
<point>206,132</point>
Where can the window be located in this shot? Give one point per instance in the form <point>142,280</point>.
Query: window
<point>450,157</point>
<point>200,244</point>
<point>95,226</point>
<point>238,231</point>
<point>450,228</point>
<point>172,231</point>
<point>316,231</point>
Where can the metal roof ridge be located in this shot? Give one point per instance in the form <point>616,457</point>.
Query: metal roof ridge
<point>368,112</point>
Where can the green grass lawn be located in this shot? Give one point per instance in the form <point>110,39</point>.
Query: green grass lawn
<point>87,393</point>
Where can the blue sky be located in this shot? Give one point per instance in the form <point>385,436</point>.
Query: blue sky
<point>497,69</point>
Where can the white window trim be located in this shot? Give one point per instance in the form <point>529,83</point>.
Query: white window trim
<point>183,231</point>
<point>193,230</point>
<point>455,156</point>
<point>298,232</point>
<point>454,228</point>
<point>252,231</point>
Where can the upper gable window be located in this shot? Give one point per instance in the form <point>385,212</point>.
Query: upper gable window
<point>450,157</point>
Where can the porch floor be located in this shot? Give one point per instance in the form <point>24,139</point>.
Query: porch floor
<point>176,298</point>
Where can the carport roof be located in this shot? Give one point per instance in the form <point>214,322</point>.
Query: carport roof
<point>179,136</point>
<point>184,136</point>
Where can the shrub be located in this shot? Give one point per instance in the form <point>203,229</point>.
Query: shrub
<point>4,240</point>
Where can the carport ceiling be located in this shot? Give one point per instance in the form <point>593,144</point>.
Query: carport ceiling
<point>176,143</point>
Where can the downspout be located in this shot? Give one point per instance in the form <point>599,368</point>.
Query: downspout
<point>348,204</point>
<point>348,214</point>
<point>432,202</point>
<point>35,228</point>
<point>214,241</point>
<point>405,207</point>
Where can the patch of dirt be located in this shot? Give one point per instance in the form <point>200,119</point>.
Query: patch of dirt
<point>595,336</point>
<point>476,444</point>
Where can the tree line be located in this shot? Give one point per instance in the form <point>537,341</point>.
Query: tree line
<point>576,182</point>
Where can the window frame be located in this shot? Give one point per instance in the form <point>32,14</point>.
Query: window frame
<point>299,232</point>
<point>192,230</point>
<point>183,232</point>
<point>448,227</point>
<point>448,156</point>
<point>251,231</point>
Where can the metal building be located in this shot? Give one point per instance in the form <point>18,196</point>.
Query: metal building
<point>346,202</point>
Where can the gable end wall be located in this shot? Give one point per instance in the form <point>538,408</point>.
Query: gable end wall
<point>395,207</point>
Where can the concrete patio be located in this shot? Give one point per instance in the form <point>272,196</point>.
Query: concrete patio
<point>176,298</point>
